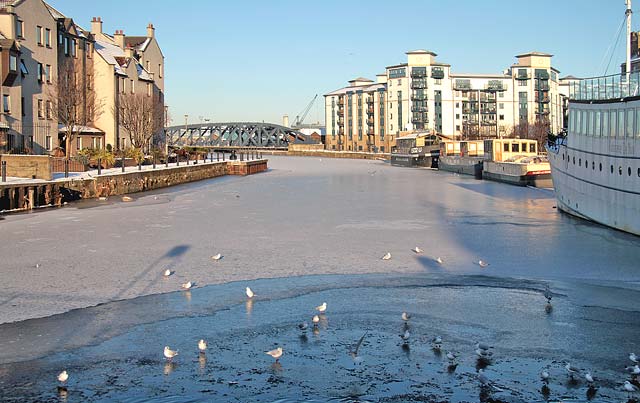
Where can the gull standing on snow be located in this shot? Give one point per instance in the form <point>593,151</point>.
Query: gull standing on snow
<point>635,370</point>
<point>405,337</point>
<point>451,356</point>
<point>544,375</point>
<point>417,250</point>
<point>202,346</point>
<point>482,263</point>
<point>322,308</point>
<point>633,357</point>
<point>405,316</point>
<point>277,353</point>
<point>249,293</point>
<point>588,377</point>
<point>629,387</point>
<point>169,353</point>
<point>437,343</point>
<point>571,370</point>
<point>187,285</point>
<point>315,320</point>
<point>354,352</point>
<point>167,273</point>
<point>439,260</point>
<point>217,256</point>
<point>387,256</point>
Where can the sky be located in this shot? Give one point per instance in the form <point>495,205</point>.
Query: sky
<point>240,60</point>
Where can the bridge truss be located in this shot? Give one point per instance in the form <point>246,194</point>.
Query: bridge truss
<point>238,134</point>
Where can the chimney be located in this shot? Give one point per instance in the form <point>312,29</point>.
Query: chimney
<point>150,30</point>
<point>118,38</point>
<point>96,25</point>
<point>129,51</point>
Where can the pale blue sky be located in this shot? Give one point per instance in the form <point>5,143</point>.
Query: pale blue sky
<point>258,60</point>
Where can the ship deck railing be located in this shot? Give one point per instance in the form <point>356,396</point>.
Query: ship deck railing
<point>615,86</point>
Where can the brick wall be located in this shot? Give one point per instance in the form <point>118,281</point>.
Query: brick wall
<point>28,166</point>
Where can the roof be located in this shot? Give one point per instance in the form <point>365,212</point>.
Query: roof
<point>414,135</point>
<point>361,79</point>
<point>569,78</point>
<point>421,52</point>
<point>80,129</point>
<point>398,65</point>
<point>139,43</point>
<point>535,54</point>
<point>353,88</point>
<point>112,54</point>
<point>477,75</point>
<point>143,74</point>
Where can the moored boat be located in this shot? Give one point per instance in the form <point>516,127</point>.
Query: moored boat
<point>462,157</point>
<point>517,162</point>
<point>416,150</point>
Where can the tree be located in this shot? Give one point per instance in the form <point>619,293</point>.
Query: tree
<point>537,131</point>
<point>142,116</point>
<point>73,100</point>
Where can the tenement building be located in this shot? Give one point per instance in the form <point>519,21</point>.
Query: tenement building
<point>58,78</point>
<point>424,94</point>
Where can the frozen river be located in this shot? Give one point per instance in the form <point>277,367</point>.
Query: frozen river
<point>323,224</point>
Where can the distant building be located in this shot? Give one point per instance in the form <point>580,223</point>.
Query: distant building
<point>423,94</point>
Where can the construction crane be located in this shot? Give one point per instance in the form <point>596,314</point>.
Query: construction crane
<point>300,117</point>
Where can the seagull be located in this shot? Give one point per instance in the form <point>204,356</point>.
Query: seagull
<point>405,316</point>
<point>102,198</point>
<point>482,346</point>
<point>405,337</point>
<point>250,293</point>
<point>315,320</point>
<point>387,256</point>
<point>167,273</point>
<point>635,370</point>
<point>417,250</point>
<point>571,370</point>
<point>126,199</point>
<point>169,353</point>
<point>629,387</point>
<point>437,343</point>
<point>544,375</point>
<point>483,354</point>
<point>354,352</point>
<point>277,353</point>
<point>202,345</point>
<point>439,260</point>
<point>547,294</point>
<point>451,356</point>
<point>484,381</point>
<point>63,376</point>
<point>303,326</point>
<point>37,265</point>
<point>216,256</point>
<point>588,377</point>
<point>322,308</point>
<point>187,285</point>
<point>633,357</point>
<point>482,263</point>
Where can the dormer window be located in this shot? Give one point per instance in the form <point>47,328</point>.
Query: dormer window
<point>19,29</point>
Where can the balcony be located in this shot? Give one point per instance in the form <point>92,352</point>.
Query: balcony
<point>419,84</point>
<point>437,73</point>
<point>418,96</point>
<point>544,100</point>
<point>522,76</point>
<point>370,100</point>
<point>341,121</point>
<point>495,86</point>
<point>340,112</point>
<point>419,74</point>
<point>419,108</point>
<point>371,122</point>
<point>488,123</point>
<point>542,112</point>
<point>370,110</point>
<point>542,86</point>
<point>341,101</point>
<point>469,111</point>
<point>488,110</point>
<point>371,131</point>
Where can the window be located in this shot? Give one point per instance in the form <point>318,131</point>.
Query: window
<point>66,46</point>
<point>515,147</point>
<point>60,39</point>
<point>501,117</point>
<point>13,63</point>
<point>438,81</point>
<point>522,83</point>
<point>47,73</point>
<point>620,122</point>
<point>74,46</point>
<point>22,106</point>
<point>79,143</point>
<point>532,147</point>
<point>612,125</point>
<point>48,143</point>
<point>47,37</point>
<point>629,131</point>
<point>40,109</point>
<point>40,72</point>
<point>501,105</point>
<point>49,110</point>
<point>160,70</point>
<point>6,103</point>
<point>506,147</point>
<point>596,125</point>
<point>148,65</point>
<point>457,116</point>
<point>637,122</point>
<point>133,88</point>
<point>39,35</point>
<point>605,124</point>
<point>89,50</point>
<point>149,89</point>
<point>19,29</point>
<point>458,128</point>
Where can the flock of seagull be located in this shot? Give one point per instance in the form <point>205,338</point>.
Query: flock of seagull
<point>483,351</point>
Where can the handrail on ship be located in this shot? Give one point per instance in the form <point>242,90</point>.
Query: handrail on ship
<point>614,86</point>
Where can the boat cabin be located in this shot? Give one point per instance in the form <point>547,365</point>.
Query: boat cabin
<point>416,149</point>
<point>471,148</point>
<point>501,150</point>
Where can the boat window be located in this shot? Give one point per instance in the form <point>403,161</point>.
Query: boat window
<point>583,125</point>
<point>613,120</point>
<point>572,121</point>
<point>532,147</point>
<point>590,124</point>
<point>596,127</point>
<point>630,116</point>
<point>629,171</point>
<point>524,147</point>
<point>605,124</point>
<point>593,165</point>
<point>576,128</point>
<point>515,147</point>
<point>620,170</point>
<point>620,130</point>
<point>637,122</point>
<point>506,147</point>
<point>601,167</point>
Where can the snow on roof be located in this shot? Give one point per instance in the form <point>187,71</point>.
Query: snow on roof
<point>140,43</point>
<point>80,129</point>
<point>363,88</point>
<point>143,74</point>
<point>112,54</point>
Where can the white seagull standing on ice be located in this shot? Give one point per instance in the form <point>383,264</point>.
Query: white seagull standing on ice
<point>588,377</point>
<point>202,346</point>
<point>187,285</point>
<point>439,260</point>
<point>250,293</point>
<point>405,316</point>
<point>167,273</point>
<point>405,337</point>
<point>216,256</point>
<point>417,250</point>
<point>633,358</point>
<point>169,353</point>
<point>277,353</point>
<point>387,256</point>
<point>544,375</point>
<point>629,387</point>
<point>322,308</point>
<point>63,376</point>
<point>571,370</point>
<point>482,263</point>
<point>315,320</point>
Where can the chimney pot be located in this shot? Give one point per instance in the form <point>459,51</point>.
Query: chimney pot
<point>96,25</point>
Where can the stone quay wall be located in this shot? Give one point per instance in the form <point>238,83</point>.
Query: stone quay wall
<point>29,166</point>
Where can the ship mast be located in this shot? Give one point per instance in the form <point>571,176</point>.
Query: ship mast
<point>628,13</point>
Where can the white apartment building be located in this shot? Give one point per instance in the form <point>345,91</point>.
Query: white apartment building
<point>423,94</point>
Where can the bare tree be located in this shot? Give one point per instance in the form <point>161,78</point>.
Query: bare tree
<point>537,131</point>
<point>142,116</point>
<point>73,100</point>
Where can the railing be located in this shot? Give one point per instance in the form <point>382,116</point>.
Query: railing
<point>420,84</point>
<point>606,87</point>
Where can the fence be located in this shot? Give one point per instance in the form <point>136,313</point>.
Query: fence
<point>74,165</point>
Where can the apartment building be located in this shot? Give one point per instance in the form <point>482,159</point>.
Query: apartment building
<point>37,43</point>
<point>424,94</point>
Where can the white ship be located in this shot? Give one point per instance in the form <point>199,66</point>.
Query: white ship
<point>595,165</point>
